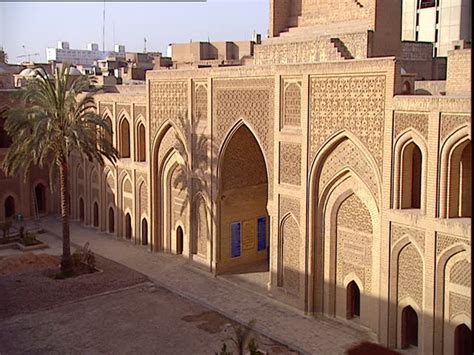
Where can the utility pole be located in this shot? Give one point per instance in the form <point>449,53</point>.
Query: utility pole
<point>103,28</point>
<point>144,45</point>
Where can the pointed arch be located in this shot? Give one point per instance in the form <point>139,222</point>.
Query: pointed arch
<point>410,171</point>
<point>288,266</point>
<point>455,184</point>
<point>124,136</point>
<point>229,136</point>
<point>242,202</point>
<point>165,158</point>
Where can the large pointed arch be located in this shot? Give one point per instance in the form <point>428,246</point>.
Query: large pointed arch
<point>242,202</point>
<point>164,146</point>
<point>325,199</point>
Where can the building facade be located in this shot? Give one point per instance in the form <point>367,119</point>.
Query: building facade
<point>316,164</point>
<point>445,23</point>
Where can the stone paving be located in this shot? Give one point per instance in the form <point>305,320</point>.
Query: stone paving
<point>275,320</point>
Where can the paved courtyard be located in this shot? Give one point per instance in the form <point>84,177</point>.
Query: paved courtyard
<point>143,319</point>
<point>274,320</point>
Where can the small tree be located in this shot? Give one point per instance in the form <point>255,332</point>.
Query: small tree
<point>55,118</point>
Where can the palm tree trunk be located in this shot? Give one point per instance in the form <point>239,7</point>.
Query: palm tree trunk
<point>66,261</point>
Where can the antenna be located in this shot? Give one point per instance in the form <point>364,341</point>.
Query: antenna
<point>103,28</point>
<point>144,45</point>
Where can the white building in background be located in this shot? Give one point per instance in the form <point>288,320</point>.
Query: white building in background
<point>85,57</point>
<point>445,23</point>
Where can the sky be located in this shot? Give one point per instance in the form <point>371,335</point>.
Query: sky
<point>31,27</point>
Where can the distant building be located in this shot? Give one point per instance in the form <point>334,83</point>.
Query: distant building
<point>446,24</point>
<point>211,54</point>
<point>86,57</point>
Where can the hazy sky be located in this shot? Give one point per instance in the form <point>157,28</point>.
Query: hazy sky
<point>39,25</point>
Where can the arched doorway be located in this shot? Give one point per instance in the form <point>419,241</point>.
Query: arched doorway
<point>179,240</point>
<point>144,232</point>
<point>128,226</point>
<point>9,207</point>
<point>111,220</point>
<point>409,327</point>
<point>40,196</point>
<point>81,209</point>
<point>244,220</point>
<point>96,214</point>
<point>462,340</point>
<point>353,300</point>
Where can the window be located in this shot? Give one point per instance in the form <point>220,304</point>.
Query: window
<point>235,239</point>
<point>411,173</point>
<point>460,177</point>
<point>124,139</point>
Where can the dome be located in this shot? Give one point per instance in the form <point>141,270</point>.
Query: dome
<point>74,71</point>
<point>26,72</point>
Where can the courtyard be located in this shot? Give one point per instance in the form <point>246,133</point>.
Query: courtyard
<point>143,301</point>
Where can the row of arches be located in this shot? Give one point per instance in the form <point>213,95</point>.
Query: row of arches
<point>124,138</point>
<point>455,174</point>
<point>39,197</point>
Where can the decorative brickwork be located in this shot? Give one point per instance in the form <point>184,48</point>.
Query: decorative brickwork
<point>444,241</point>
<point>243,154</point>
<point>290,163</point>
<point>405,120</point>
<point>288,204</point>
<point>398,231</point>
<point>105,107</point>
<point>459,304</point>
<point>410,274</point>
<point>461,273</point>
<point>249,99</point>
<point>351,103</point>
<point>202,226</point>
<point>291,105</point>
<point>140,111</point>
<point>143,195</point>
<point>347,155</point>
<point>450,122</point>
<point>169,102</point>
<point>354,241</point>
<point>200,103</point>
<point>291,247</point>
<point>121,109</point>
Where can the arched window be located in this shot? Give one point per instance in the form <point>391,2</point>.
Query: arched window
<point>124,138</point>
<point>462,340</point>
<point>411,174</point>
<point>81,209</point>
<point>179,240</point>
<point>111,220</point>
<point>144,232</point>
<point>40,198</point>
<point>141,151</point>
<point>460,177</point>
<point>109,135</point>
<point>409,327</point>
<point>9,207</point>
<point>5,139</point>
<point>96,214</point>
<point>353,300</point>
<point>128,226</point>
<point>406,88</point>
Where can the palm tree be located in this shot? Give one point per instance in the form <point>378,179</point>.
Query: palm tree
<point>55,118</point>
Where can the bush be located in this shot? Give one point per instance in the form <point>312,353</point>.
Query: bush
<point>29,239</point>
<point>6,226</point>
<point>84,256</point>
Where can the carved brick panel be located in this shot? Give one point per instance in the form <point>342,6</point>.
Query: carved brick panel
<point>353,103</point>
<point>404,120</point>
<point>290,163</point>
